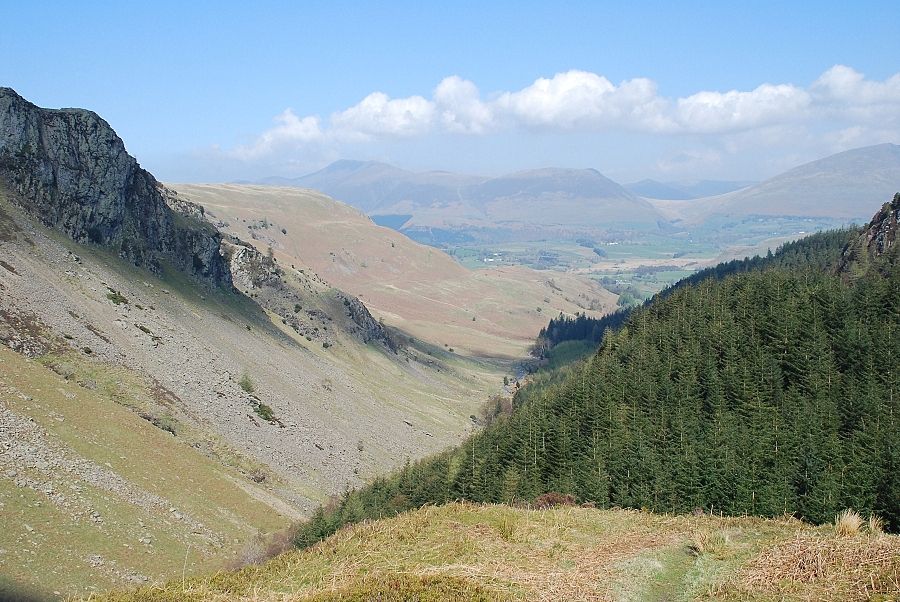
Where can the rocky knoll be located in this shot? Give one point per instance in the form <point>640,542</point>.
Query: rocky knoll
<point>70,169</point>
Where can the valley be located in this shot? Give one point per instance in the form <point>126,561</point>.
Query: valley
<point>419,290</point>
<point>370,382</point>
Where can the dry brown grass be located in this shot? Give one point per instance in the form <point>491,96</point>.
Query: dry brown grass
<point>848,523</point>
<point>465,551</point>
<point>826,567</point>
<point>875,525</point>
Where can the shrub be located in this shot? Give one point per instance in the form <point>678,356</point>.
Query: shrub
<point>554,498</point>
<point>116,297</point>
<point>246,383</point>
<point>265,412</point>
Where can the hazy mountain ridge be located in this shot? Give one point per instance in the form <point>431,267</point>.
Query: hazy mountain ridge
<point>567,203</point>
<point>685,190</point>
<point>374,187</point>
<point>849,185</point>
<point>538,199</point>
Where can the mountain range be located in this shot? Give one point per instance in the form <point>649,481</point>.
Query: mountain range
<point>540,199</point>
<point>568,202</point>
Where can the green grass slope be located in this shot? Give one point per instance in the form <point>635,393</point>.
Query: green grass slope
<point>471,552</point>
<point>93,496</point>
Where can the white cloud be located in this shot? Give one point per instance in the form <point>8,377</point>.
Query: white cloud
<point>579,99</point>
<point>841,99</point>
<point>864,107</point>
<point>290,130</point>
<point>379,115</point>
<point>846,85</point>
<point>460,108</point>
<point>707,112</point>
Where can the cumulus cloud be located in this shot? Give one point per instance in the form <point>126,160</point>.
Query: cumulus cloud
<point>460,108</point>
<point>379,115</point>
<point>289,130</point>
<point>863,106</point>
<point>845,84</point>
<point>577,99</point>
<point>584,101</point>
<point>707,112</point>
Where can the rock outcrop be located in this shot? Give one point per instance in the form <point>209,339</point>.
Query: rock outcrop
<point>70,169</point>
<point>259,277</point>
<point>367,328</point>
<point>877,243</point>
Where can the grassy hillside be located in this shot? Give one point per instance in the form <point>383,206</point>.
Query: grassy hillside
<point>190,398</point>
<point>335,405</point>
<point>468,552</point>
<point>94,496</point>
<point>418,289</point>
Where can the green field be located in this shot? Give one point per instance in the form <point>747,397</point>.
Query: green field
<point>641,263</point>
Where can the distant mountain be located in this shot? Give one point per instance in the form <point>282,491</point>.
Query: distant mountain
<point>560,197</point>
<point>535,199</point>
<point>849,185</point>
<point>370,185</point>
<point>685,190</point>
<point>537,203</point>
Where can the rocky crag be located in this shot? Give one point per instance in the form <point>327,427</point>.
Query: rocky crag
<point>70,169</point>
<point>876,243</point>
<point>260,277</point>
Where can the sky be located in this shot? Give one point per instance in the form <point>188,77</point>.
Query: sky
<point>224,91</point>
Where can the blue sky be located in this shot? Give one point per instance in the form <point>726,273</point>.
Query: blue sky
<point>222,91</point>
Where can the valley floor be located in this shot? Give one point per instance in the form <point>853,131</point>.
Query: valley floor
<point>470,552</point>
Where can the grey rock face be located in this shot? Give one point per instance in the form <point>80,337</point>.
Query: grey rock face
<point>71,170</point>
<point>878,239</point>
<point>368,329</point>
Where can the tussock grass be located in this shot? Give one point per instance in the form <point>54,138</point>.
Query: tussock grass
<point>875,524</point>
<point>848,523</point>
